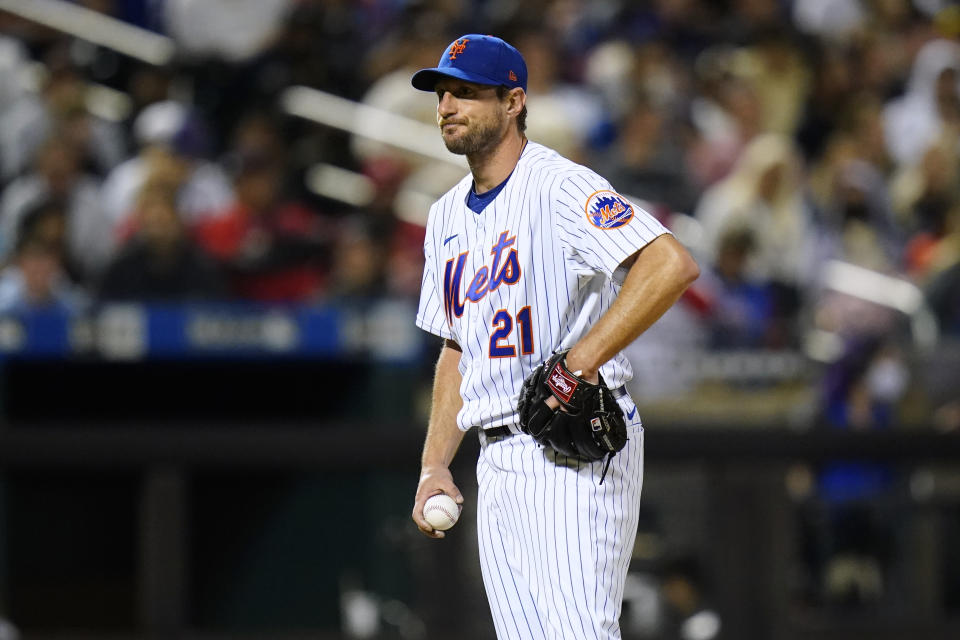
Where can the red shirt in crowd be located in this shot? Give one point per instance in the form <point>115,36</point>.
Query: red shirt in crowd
<point>273,257</point>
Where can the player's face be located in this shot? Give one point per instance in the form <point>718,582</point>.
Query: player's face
<point>472,118</point>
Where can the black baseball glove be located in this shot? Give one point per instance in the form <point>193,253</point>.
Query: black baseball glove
<point>590,424</point>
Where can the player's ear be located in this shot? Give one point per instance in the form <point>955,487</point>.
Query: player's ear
<point>516,99</point>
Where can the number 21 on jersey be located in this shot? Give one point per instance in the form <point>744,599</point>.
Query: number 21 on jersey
<point>503,327</point>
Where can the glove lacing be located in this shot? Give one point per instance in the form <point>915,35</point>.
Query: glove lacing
<point>606,465</point>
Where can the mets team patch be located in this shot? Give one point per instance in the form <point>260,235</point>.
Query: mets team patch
<point>608,209</point>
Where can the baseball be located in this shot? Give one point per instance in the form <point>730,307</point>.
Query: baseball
<point>441,511</point>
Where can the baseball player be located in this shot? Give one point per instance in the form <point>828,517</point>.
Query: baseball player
<point>538,273</point>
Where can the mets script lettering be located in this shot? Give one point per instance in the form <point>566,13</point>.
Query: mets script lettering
<point>611,209</point>
<point>503,270</point>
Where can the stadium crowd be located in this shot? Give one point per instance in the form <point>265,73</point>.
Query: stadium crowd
<point>774,137</point>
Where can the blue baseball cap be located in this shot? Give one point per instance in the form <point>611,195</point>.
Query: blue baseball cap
<point>476,58</point>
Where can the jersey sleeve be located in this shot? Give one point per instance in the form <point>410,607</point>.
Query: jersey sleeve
<point>430,316</point>
<point>600,227</point>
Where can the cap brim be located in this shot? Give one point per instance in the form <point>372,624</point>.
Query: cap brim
<point>426,79</point>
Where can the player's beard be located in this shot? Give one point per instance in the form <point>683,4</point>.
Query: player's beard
<point>480,137</point>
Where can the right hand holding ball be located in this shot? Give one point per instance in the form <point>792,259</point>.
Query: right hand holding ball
<point>441,511</point>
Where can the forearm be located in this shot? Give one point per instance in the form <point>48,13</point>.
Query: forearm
<point>443,438</point>
<point>443,435</point>
<point>658,277</point>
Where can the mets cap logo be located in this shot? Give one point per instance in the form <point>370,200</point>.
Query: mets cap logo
<point>608,209</point>
<point>458,47</point>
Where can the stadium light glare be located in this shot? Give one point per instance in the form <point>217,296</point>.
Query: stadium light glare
<point>341,184</point>
<point>95,27</point>
<point>887,291</point>
<point>370,122</point>
<point>873,286</point>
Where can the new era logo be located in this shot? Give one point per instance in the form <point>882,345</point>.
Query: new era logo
<point>512,76</point>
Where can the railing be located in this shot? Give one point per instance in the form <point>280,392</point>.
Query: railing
<point>380,331</point>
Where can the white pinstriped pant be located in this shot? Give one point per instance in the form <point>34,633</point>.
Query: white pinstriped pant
<point>554,544</point>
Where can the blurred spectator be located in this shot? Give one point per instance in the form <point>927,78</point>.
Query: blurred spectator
<point>258,132</point>
<point>854,218</point>
<point>880,56</point>
<point>930,110</point>
<point>748,17</point>
<point>36,278</point>
<point>776,68</point>
<point>647,159</point>
<point>741,310</point>
<point>764,194</point>
<point>160,262</point>
<point>862,388</point>
<point>567,114</point>
<point>943,295</point>
<point>273,249</point>
<point>726,114</point>
<point>231,30</point>
<point>852,545</point>
<point>834,20</point>
<point>400,239</point>
<point>687,27</point>
<point>173,140</point>
<point>660,75</point>
<point>47,220</point>
<point>925,195</point>
<point>359,261</point>
<point>609,69</point>
<point>329,61</point>
<point>829,95</point>
<point>862,120</point>
<point>58,110</point>
<point>229,58</point>
<point>620,72</point>
<point>58,176</point>
<point>148,85</point>
<point>13,66</point>
<point>942,274</point>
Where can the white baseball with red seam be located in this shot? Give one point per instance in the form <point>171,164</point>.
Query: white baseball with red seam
<point>441,511</point>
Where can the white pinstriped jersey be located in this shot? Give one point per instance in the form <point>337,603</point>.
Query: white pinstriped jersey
<point>528,275</point>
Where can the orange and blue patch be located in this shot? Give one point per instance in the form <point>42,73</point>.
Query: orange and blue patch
<point>607,209</point>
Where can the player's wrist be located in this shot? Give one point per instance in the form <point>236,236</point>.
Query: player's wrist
<point>581,368</point>
<point>432,468</point>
